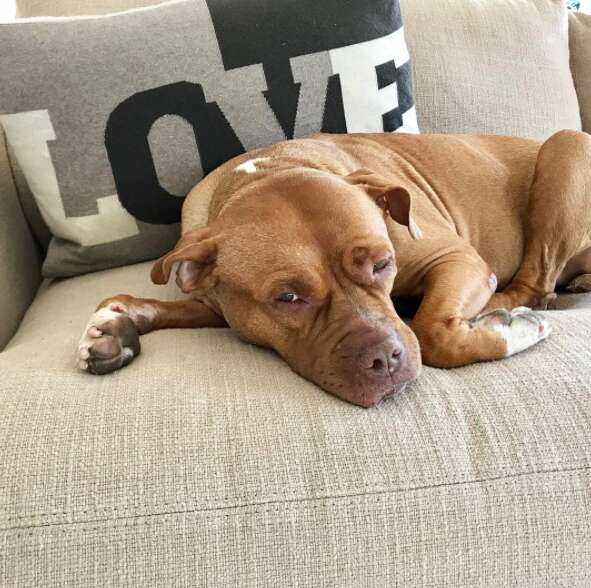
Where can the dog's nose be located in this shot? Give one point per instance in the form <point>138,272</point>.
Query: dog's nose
<point>374,353</point>
<point>385,357</point>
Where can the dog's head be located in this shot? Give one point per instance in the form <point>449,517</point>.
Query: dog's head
<point>301,261</point>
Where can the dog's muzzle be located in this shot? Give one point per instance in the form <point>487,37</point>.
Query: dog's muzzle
<point>371,362</point>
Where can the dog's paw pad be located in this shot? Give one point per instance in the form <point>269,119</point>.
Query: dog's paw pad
<point>109,342</point>
<point>521,328</point>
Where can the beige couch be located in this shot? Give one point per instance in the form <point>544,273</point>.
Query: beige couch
<point>208,462</point>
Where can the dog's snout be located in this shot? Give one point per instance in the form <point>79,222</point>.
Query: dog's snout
<point>377,354</point>
<point>374,359</point>
<point>386,356</point>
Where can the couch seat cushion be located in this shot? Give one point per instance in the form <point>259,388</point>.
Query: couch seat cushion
<point>208,458</point>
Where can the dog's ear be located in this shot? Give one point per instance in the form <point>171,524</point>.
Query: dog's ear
<point>390,197</point>
<point>195,252</point>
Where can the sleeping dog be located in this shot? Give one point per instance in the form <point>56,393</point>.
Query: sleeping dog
<point>306,242</point>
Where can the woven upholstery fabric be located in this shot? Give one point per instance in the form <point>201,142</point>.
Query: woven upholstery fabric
<point>497,67</point>
<point>208,462</point>
<point>29,8</point>
<point>19,256</point>
<point>580,62</point>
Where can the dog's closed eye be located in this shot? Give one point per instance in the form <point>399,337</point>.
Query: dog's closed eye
<point>382,265</point>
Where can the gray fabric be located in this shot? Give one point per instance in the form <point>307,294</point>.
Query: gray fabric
<point>580,62</point>
<point>37,225</point>
<point>65,85</point>
<point>29,8</point>
<point>207,462</point>
<point>19,257</point>
<point>498,67</point>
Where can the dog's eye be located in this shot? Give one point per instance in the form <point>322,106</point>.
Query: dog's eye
<point>288,297</point>
<point>381,265</point>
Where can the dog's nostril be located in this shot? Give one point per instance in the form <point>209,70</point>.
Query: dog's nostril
<point>387,359</point>
<point>377,365</point>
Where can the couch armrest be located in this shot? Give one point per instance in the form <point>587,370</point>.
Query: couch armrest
<point>20,257</point>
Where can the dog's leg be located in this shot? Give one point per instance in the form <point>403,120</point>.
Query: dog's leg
<point>111,338</point>
<point>558,225</point>
<point>450,336</point>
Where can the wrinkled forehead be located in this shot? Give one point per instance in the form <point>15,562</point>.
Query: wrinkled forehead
<point>321,195</point>
<point>339,213</point>
<point>297,220</point>
<point>306,203</point>
<point>254,261</point>
<point>272,245</point>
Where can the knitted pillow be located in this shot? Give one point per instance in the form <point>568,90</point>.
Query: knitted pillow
<point>113,119</point>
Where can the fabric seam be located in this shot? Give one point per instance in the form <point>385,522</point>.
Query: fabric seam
<point>278,503</point>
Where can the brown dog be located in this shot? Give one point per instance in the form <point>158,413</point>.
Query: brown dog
<point>305,240</point>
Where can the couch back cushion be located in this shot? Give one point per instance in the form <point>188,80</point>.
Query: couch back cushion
<point>580,61</point>
<point>30,8</point>
<point>500,66</point>
<point>485,67</point>
<point>114,119</point>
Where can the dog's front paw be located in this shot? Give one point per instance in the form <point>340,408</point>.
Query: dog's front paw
<point>521,327</point>
<point>109,342</point>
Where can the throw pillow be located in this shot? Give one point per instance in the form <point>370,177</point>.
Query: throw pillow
<point>113,119</point>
